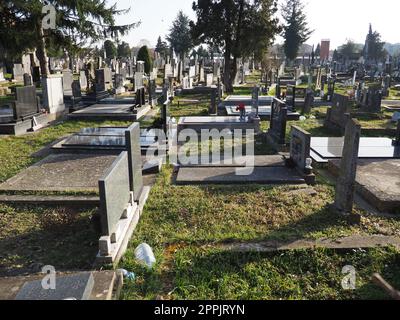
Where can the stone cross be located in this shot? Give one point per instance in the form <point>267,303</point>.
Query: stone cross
<point>345,185</point>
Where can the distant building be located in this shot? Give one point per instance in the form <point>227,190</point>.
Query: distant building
<point>325,48</point>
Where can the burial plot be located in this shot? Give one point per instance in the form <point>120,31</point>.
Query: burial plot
<point>339,113</point>
<point>277,132</point>
<point>23,114</point>
<point>74,102</point>
<point>327,148</point>
<point>77,287</point>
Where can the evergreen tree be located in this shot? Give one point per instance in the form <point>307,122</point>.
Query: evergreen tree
<point>295,29</point>
<point>240,28</point>
<point>162,47</point>
<point>110,49</point>
<point>77,23</point>
<point>179,35</point>
<point>144,55</point>
<point>318,51</point>
<point>124,51</point>
<point>374,47</point>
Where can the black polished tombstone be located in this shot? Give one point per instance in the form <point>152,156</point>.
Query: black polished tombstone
<point>27,104</point>
<point>291,98</point>
<point>278,120</point>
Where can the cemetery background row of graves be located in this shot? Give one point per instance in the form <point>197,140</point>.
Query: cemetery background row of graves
<point>75,181</point>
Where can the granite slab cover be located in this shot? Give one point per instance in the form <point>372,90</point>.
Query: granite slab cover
<point>62,173</point>
<point>77,287</point>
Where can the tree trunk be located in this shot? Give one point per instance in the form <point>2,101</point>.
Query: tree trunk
<point>41,51</point>
<point>228,80</point>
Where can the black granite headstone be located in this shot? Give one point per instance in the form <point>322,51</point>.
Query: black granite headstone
<point>26,103</point>
<point>278,121</point>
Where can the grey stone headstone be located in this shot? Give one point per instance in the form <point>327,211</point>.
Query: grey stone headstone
<point>83,79</point>
<point>300,143</point>
<point>26,102</point>
<point>255,99</point>
<point>345,184</point>
<point>213,103</point>
<point>132,138</point>
<point>67,82</point>
<point>18,72</point>
<point>77,286</point>
<point>138,80</point>
<point>308,101</point>
<point>114,189</point>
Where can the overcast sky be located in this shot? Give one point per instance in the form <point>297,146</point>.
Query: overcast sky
<point>336,20</point>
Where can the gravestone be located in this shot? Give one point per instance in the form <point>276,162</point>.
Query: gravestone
<point>119,83</point>
<point>167,71</point>
<point>27,79</point>
<point>209,79</point>
<point>255,100</point>
<point>67,82</point>
<point>83,79</point>
<point>345,185</point>
<point>138,80</point>
<point>339,113</point>
<point>115,195</point>
<point>132,138</point>
<point>278,89</point>
<point>140,66</point>
<point>27,103</point>
<point>372,99</point>
<point>36,74</point>
<point>331,89</point>
<point>152,93</point>
<point>100,84</point>
<point>18,72</point>
<point>53,97</point>
<point>300,144</point>
<point>76,286</point>
<point>290,97</point>
<point>278,120</point>
<point>308,101</point>
<point>213,103</point>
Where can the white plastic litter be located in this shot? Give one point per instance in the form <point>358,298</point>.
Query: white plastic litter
<point>145,255</point>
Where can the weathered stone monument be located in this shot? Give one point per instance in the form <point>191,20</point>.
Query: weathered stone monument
<point>345,185</point>
<point>53,96</point>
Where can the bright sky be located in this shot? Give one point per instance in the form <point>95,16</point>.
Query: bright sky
<point>337,20</point>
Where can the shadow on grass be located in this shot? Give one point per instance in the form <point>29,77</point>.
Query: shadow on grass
<point>64,238</point>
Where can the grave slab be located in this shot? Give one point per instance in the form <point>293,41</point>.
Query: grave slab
<point>61,173</point>
<point>215,122</point>
<point>227,175</point>
<point>123,112</point>
<point>76,287</point>
<point>263,111</point>
<point>376,181</point>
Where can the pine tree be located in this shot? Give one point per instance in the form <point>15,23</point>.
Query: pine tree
<point>144,55</point>
<point>374,47</point>
<point>179,35</point>
<point>240,28</point>
<point>161,47</point>
<point>295,29</point>
<point>110,49</point>
<point>78,23</point>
